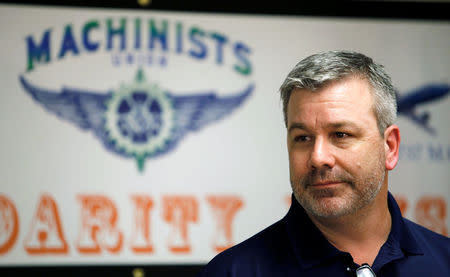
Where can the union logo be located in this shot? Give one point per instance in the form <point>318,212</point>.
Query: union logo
<point>140,120</point>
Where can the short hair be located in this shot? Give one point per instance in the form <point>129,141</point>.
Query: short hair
<point>318,70</point>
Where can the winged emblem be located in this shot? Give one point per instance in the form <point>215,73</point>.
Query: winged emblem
<point>407,103</point>
<point>139,120</point>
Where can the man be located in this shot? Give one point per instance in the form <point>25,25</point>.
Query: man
<point>339,109</point>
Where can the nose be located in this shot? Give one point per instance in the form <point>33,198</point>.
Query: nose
<point>322,155</point>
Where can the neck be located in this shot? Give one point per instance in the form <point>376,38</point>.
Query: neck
<point>361,234</point>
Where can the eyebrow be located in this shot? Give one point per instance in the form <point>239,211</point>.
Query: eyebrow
<point>344,124</point>
<point>297,125</point>
<point>333,125</point>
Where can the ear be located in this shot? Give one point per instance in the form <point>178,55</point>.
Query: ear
<point>391,146</point>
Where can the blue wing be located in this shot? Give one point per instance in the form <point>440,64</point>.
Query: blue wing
<point>192,112</point>
<point>407,103</point>
<point>83,108</point>
<point>422,95</point>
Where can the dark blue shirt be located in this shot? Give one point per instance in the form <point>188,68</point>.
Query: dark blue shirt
<point>294,246</point>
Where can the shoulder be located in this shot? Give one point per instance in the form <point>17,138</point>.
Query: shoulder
<point>264,249</point>
<point>431,242</point>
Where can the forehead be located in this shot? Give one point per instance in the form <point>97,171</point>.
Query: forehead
<point>350,98</point>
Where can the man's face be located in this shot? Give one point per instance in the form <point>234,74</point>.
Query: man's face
<point>336,153</point>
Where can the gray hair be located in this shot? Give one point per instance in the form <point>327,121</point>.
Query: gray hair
<point>315,71</point>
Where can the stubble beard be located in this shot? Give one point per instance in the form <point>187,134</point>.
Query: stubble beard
<point>354,192</point>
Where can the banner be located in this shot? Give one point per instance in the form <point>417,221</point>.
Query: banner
<point>158,137</point>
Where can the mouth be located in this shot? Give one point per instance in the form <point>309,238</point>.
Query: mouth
<point>325,184</point>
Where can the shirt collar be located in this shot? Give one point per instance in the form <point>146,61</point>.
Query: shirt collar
<point>312,248</point>
<point>400,233</point>
<point>310,245</point>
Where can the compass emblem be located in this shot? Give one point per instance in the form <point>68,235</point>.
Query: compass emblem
<point>139,118</point>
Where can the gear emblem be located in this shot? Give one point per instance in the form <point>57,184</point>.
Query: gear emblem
<point>139,119</point>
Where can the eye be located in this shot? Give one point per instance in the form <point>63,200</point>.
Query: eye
<point>341,135</point>
<point>302,138</point>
